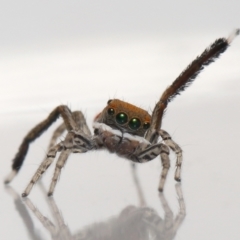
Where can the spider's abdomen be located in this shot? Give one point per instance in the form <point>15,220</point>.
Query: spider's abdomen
<point>125,117</point>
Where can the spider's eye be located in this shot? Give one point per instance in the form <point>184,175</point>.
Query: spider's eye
<point>134,123</point>
<point>109,101</point>
<point>111,111</point>
<point>121,118</point>
<point>146,125</point>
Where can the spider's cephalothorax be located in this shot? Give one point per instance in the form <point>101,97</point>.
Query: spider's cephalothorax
<point>125,117</point>
<point>121,128</point>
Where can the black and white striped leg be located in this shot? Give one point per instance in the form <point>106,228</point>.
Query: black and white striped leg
<point>177,150</point>
<point>153,151</point>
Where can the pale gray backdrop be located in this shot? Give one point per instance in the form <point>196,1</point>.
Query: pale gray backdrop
<point>81,53</point>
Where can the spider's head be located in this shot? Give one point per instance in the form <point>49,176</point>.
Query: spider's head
<point>124,117</point>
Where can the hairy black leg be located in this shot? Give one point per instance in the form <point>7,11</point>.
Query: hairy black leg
<point>185,79</point>
<point>36,132</point>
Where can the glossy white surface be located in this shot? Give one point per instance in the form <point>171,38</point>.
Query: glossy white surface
<point>84,71</point>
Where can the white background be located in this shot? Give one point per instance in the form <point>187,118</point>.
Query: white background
<point>82,53</point>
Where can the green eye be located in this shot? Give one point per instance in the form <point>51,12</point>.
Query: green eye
<point>111,111</point>
<point>121,118</point>
<point>134,123</point>
<point>146,125</point>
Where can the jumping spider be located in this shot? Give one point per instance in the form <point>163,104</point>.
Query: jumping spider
<point>121,128</point>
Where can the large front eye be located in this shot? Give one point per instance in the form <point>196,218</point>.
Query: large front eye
<point>121,118</point>
<point>134,123</point>
<point>111,111</point>
<point>146,125</point>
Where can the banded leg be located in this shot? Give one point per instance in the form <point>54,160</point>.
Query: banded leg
<point>60,164</point>
<point>177,150</point>
<point>43,167</point>
<point>150,153</point>
<point>75,142</point>
<point>80,121</point>
<point>36,132</point>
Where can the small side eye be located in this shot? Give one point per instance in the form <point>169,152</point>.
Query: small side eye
<point>146,125</point>
<point>134,123</point>
<point>111,111</point>
<point>109,101</point>
<point>121,118</point>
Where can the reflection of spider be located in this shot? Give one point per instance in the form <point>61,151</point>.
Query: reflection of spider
<point>134,222</point>
<point>121,128</point>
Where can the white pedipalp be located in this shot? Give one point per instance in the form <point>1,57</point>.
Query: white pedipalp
<point>116,132</point>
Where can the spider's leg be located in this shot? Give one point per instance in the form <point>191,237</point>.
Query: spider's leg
<point>75,142</point>
<point>37,131</point>
<point>60,163</point>
<point>177,150</point>
<point>185,79</point>
<point>43,167</point>
<point>56,135</point>
<point>80,121</point>
<point>150,153</point>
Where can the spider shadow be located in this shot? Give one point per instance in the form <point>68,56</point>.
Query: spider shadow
<point>133,222</point>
